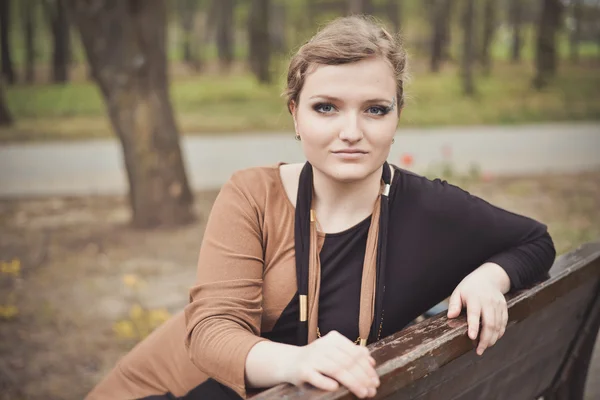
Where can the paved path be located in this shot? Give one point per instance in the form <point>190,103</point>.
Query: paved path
<point>95,166</point>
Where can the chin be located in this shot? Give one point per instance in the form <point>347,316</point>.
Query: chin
<point>350,172</point>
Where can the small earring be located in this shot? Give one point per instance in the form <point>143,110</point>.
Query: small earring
<point>297,137</point>
<point>393,140</point>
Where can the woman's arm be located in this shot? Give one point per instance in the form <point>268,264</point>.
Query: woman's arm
<point>268,362</point>
<point>323,363</point>
<point>224,314</point>
<point>496,249</point>
<point>471,232</point>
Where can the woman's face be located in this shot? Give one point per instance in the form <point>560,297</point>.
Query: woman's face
<point>347,116</point>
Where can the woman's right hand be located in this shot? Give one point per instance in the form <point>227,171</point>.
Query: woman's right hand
<point>333,360</point>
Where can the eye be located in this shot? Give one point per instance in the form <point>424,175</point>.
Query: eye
<point>378,110</point>
<point>324,108</point>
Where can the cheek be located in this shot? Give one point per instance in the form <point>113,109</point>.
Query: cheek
<point>380,131</point>
<point>316,128</point>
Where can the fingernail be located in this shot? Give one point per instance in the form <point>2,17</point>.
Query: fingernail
<point>364,392</point>
<point>376,381</point>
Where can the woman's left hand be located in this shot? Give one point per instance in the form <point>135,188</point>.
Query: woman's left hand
<point>482,293</point>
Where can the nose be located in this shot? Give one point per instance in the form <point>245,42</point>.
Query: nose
<point>351,131</point>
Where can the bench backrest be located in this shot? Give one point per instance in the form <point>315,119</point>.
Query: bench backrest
<point>545,351</point>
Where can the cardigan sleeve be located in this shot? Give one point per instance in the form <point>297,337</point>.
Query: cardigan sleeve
<point>476,232</point>
<point>224,313</point>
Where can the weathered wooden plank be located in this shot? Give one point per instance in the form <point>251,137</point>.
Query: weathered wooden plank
<point>570,381</point>
<point>427,349</point>
<point>553,327</point>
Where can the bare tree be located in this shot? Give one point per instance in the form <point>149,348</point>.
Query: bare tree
<point>28,8</point>
<point>360,7</point>
<point>277,27</point>
<point>577,8</point>
<point>440,27</point>
<point>187,10</point>
<point>515,13</point>
<point>546,57</point>
<point>225,29</point>
<point>489,26</point>
<point>258,34</point>
<point>468,47</point>
<point>8,70</point>
<point>5,116</point>
<point>393,11</point>
<point>61,44</point>
<point>125,44</point>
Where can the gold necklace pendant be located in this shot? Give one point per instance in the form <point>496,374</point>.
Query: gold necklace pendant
<point>362,342</point>
<point>357,341</point>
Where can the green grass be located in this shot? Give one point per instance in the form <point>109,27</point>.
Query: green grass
<point>237,103</point>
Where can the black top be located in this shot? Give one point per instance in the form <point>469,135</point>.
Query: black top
<point>437,234</point>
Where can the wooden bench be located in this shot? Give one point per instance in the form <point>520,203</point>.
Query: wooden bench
<point>545,351</point>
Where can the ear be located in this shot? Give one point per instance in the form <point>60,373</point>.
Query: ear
<point>294,111</point>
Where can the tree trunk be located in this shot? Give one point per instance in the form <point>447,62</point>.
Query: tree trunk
<point>28,8</point>
<point>440,24</point>
<point>489,26</point>
<point>225,32</point>
<point>393,12</point>
<point>258,33</point>
<point>8,71</point>
<point>59,25</point>
<point>447,21</point>
<point>516,19</point>
<point>125,43</point>
<point>576,33</point>
<point>360,7</point>
<point>187,16</point>
<point>5,117</point>
<point>277,28</point>
<point>468,47</point>
<point>546,57</point>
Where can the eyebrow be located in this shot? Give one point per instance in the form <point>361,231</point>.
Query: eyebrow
<point>332,98</point>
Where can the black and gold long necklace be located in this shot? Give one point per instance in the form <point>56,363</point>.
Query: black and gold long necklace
<point>308,264</point>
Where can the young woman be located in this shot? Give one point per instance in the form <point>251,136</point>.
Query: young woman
<point>302,262</point>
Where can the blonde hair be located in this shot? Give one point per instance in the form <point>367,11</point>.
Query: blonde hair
<point>346,40</point>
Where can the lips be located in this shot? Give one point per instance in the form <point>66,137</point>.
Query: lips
<point>350,151</point>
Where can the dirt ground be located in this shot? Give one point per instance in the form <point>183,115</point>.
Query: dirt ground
<point>79,287</point>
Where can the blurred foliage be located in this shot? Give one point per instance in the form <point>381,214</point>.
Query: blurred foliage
<point>212,101</point>
<point>10,272</point>
<point>141,321</point>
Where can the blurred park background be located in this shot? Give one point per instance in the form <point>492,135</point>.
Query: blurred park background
<point>120,119</point>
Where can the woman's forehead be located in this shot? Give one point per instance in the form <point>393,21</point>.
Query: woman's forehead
<point>365,79</point>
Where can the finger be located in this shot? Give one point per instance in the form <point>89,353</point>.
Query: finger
<point>320,381</point>
<point>504,321</point>
<point>360,356</point>
<point>342,368</point>
<point>365,371</point>
<point>454,305</point>
<point>488,322</point>
<point>497,324</point>
<point>473,315</point>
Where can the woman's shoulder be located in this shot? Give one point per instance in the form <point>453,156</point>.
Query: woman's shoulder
<point>406,180</point>
<point>267,182</point>
<point>424,191</point>
<point>254,175</point>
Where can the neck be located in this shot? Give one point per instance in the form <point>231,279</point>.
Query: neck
<point>335,199</point>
